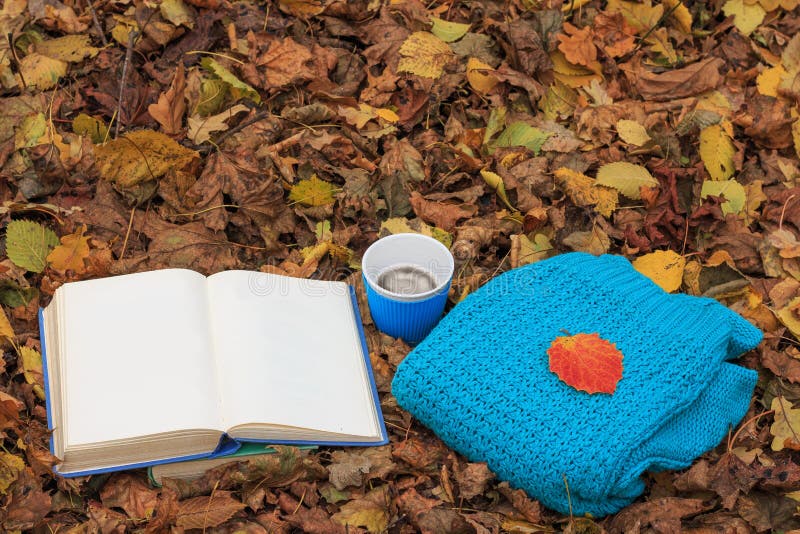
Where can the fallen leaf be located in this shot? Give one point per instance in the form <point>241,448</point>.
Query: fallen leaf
<point>141,156</point>
<point>577,45</point>
<point>746,16</point>
<point>28,244</point>
<point>443,215</point>
<point>301,8</point>
<point>448,31</point>
<point>70,48</point>
<point>479,75</point>
<point>74,248</point>
<point>632,132</point>
<point>239,89</point>
<point>626,178</point>
<point>717,151</point>
<point>32,369</point>
<point>6,331</point>
<point>201,128</point>
<point>40,71</point>
<point>663,267</point>
<point>91,127</point>
<point>10,467</point>
<point>369,512</point>
<point>177,12</point>
<point>313,192</point>
<point>495,182</point>
<point>663,514</point>
<point>584,191</point>
<point>734,193</point>
<point>472,479</point>
<point>586,362</point>
<point>521,134</point>
<point>285,62</point>
<point>594,241</point>
<point>171,105</point>
<point>677,83</point>
<point>769,80</point>
<point>525,251</point>
<point>785,428</point>
<point>207,512</point>
<point>424,54</point>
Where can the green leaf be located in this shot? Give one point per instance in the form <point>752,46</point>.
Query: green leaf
<point>734,193</point>
<point>626,178</point>
<point>716,151</point>
<point>448,31</point>
<point>13,295</point>
<point>497,118</point>
<point>28,244</point>
<point>521,134</point>
<point>239,89</point>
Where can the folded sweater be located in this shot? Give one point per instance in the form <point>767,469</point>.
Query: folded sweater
<point>481,380</point>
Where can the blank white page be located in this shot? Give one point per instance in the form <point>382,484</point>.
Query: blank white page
<point>137,356</point>
<point>289,353</point>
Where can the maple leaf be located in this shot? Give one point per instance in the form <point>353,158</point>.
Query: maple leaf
<point>577,45</point>
<point>74,248</point>
<point>586,362</point>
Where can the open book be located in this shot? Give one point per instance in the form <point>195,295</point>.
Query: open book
<point>164,365</point>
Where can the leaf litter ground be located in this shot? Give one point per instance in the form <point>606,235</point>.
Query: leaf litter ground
<point>286,136</point>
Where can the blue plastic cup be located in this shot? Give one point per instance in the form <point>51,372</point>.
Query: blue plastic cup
<point>413,306</point>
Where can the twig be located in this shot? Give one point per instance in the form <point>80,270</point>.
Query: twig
<point>658,23</point>
<point>10,37</point>
<point>128,53</point>
<point>97,23</point>
<point>127,234</point>
<point>744,425</point>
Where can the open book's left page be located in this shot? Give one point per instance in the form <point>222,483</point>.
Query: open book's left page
<point>135,357</point>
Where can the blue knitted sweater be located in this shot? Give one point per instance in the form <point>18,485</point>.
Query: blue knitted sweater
<point>481,380</point>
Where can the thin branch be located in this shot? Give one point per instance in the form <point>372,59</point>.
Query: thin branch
<point>128,53</point>
<point>97,23</point>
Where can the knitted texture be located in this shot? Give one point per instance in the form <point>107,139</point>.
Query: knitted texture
<point>481,380</point>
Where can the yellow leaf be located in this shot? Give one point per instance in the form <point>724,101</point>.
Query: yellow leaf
<point>788,316</point>
<point>71,48</point>
<point>716,151</point>
<point>6,331</point>
<point>734,193</point>
<point>141,156</point>
<point>664,267</point>
<point>312,192</point>
<point>626,178</point>
<point>74,248</point>
<point>424,54</point>
<point>642,16</point>
<point>494,181</point>
<point>201,128</point>
<point>572,75</point>
<point>680,14</point>
<point>746,17</point>
<point>632,132</point>
<point>32,131</point>
<point>32,369</point>
<point>40,71</point>
<point>448,31</point>
<point>796,136</point>
<point>525,251</point>
<point>583,191</point>
<point>177,12</point>
<point>785,428</point>
<point>91,127</point>
<point>10,467</point>
<point>401,225</point>
<point>595,241</point>
<point>360,116</point>
<point>769,80</point>
<point>479,75</point>
<point>559,101</point>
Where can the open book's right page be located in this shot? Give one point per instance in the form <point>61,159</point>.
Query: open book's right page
<point>288,352</point>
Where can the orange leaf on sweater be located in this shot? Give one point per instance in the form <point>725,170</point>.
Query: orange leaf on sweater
<point>586,362</point>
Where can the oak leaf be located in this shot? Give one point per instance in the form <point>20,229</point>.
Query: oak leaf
<point>577,45</point>
<point>586,362</point>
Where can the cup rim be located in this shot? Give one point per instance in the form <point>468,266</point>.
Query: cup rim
<point>400,296</point>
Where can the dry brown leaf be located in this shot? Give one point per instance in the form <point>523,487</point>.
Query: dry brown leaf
<point>74,248</point>
<point>443,215</point>
<point>171,105</point>
<point>207,512</point>
<point>130,493</point>
<point>577,45</point>
<point>691,80</point>
<point>285,62</point>
<point>583,191</point>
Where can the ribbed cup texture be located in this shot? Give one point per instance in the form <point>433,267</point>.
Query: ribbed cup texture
<point>481,380</point>
<point>411,321</point>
